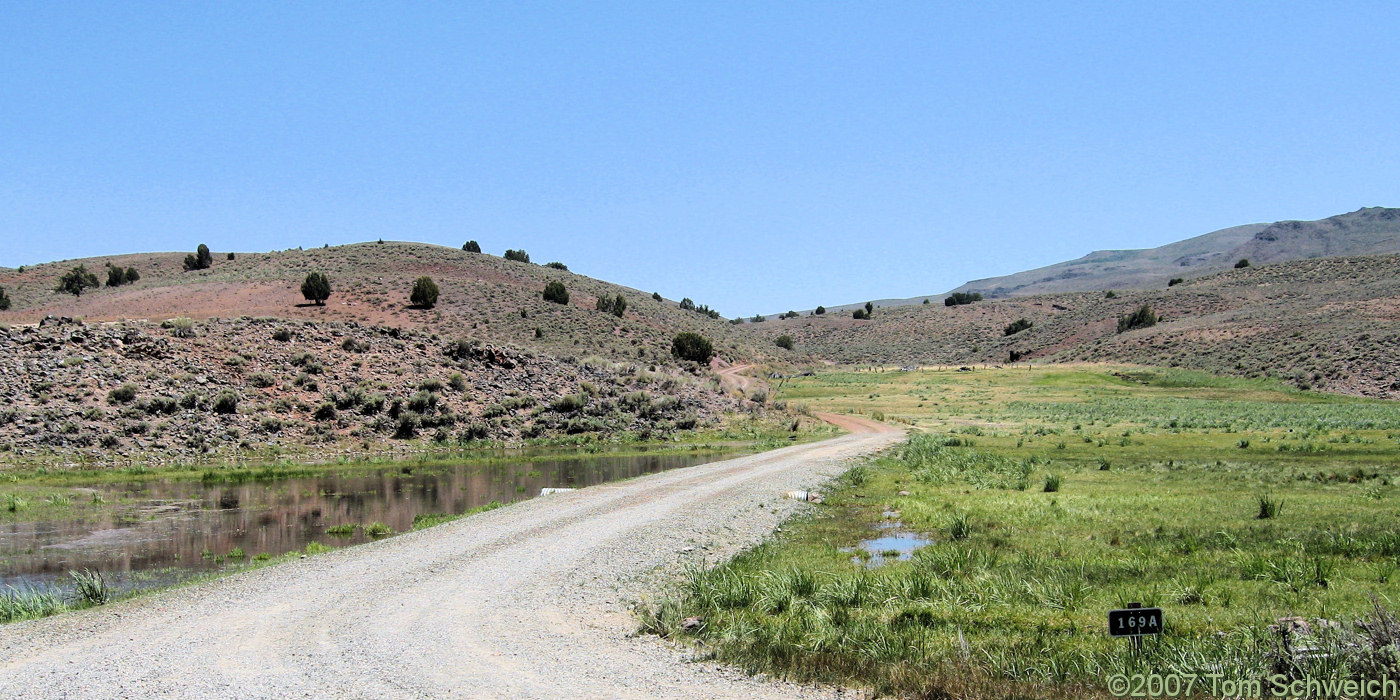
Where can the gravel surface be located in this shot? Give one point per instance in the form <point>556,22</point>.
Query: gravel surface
<point>528,601</point>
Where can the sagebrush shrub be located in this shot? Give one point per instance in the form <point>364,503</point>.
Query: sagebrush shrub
<point>122,394</point>
<point>226,402</point>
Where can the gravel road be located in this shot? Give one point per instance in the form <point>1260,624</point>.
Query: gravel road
<point>528,601</point>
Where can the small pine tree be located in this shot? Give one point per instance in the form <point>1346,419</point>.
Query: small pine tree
<point>821,310</point>
<point>132,275</point>
<point>687,304</point>
<point>557,266</point>
<point>425,293</point>
<point>518,256</point>
<point>619,306</point>
<point>76,280</point>
<point>1142,318</point>
<point>960,298</point>
<point>1016,327</point>
<point>784,342</point>
<point>4,300</point>
<point>656,296</point>
<point>1243,262</point>
<point>316,287</point>
<point>231,256</point>
<point>869,309</point>
<point>605,304</point>
<point>116,276</point>
<point>201,259</point>
<point>555,292</point>
<point>1174,281</point>
<point>471,247</point>
<point>693,347</point>
<point>860,314</point>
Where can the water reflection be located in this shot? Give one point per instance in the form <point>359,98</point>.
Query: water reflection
<point>897,546</point>
<point>155,532</point>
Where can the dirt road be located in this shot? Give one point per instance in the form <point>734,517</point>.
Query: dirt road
<point>730,378</point>
<point>529,601</point>
<point>856,424</point>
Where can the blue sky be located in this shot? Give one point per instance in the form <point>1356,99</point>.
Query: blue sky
<point>753,156</point>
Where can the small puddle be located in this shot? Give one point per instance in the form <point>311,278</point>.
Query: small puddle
<point>898,546</point>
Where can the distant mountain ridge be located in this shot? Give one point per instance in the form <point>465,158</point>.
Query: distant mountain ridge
<point>1366,231</point>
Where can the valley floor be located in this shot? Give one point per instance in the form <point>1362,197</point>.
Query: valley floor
<point>980,558</point>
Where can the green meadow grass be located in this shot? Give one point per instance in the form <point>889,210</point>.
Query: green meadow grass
<point>1049,497</point>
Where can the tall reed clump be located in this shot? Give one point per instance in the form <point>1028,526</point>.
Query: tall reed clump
<point>90,587</point>
<point>960,526</point>
<point>1269,507</point>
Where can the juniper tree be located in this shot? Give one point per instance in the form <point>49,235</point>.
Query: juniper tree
<point>316,287</point>
<point>76,280</point>
<point>425,293</point>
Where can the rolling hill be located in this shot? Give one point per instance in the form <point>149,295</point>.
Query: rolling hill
<point>1328,323</point>
<point>483,297</point>
<point>232,362</point>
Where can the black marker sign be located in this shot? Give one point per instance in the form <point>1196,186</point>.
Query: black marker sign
<point>1135,622</point>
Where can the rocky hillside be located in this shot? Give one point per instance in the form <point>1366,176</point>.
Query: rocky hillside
<point>172,392</point>
<point>483,297</point>
<point>1327,324</point>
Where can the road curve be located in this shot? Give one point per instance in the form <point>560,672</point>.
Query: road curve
<point>729,377</point>
<point>528,601</point>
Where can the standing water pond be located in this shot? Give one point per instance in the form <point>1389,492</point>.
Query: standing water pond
<point>150,532</point>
